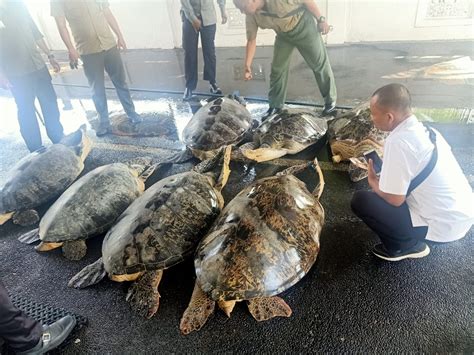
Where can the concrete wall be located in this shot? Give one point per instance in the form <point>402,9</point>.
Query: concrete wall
<point>157,24</point>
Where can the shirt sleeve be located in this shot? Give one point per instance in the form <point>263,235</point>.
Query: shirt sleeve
<point>397,168</point>
<point>57,8</point>
<point>188,10</point>
<point>34,29</point>
<point>251,26</point>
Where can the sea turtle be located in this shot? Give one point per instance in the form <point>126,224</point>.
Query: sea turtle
<point>42,176</point>
<point>158,230</point>
<point>351,135</point>
<point>265,240</point>
<point>90,207</point>
<point>288,132</point>
<point>223,121</point>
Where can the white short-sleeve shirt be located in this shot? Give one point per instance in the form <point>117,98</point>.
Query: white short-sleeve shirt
<point>444,201</point>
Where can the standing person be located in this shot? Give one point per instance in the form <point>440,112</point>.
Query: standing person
<point>199,16</point>
<point>90,22</point>
<point>23,71</point>
<point>421,193</point>
<point>25,335</point>
<point>293,22</point>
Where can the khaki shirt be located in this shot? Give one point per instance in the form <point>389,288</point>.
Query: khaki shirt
<point>88,24</point>
<point>19,54</point>
<point>201,8</point>
<point>278,21</point>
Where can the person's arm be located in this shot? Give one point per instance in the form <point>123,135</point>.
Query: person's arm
<point>323,26</point>
<point>190,15</point>
<point>394,200</point>
<point>249,54</point>
<point>221,4</point>
<point>65,36</point>
<point>44,47</point>
<point>112,21</point>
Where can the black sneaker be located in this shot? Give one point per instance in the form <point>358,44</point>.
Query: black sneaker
<point>419,250</point>
<point>270,112</point>
<point>135,118</point>
<point>53,335</point>
<point>329,109</point>
<point>214,89</point>
<point>188,94</point>
<point>102,129</point>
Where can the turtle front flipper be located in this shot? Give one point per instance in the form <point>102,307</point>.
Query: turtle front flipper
<point>74,249</point>
<point>199,309</point>
<point>26,218</point>
<point>318,191</point>
<point>143,295</point>
<point>263,153</point>
<point>264,308</point>
<point>6,217</point>
<point>88,276</point>
<point>30,237</point>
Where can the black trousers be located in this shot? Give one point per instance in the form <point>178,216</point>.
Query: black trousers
<point>190,46</point>
<point>25,90</point>
<point>19,331</point>
<point>392,224</point>
<point>111,62</point>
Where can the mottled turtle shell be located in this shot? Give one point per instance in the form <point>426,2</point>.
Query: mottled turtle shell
<point>221,122</point>
<point>40,177</point>
<point>264,241</point>
<point>163,226</point>
<point>292,129</point>
<point>92,204</point>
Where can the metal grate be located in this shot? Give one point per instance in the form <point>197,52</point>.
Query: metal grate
<point>46,315</point>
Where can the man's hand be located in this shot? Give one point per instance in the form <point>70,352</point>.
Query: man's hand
<point>372,177</point>
<point>248,73</point>
<point>121,43</point>
<point>324,27</point>
<point>196,24</point>
<point>54,63</point>
<point>224,17</point>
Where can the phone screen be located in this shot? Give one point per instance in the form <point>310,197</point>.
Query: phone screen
<point>375,159</point>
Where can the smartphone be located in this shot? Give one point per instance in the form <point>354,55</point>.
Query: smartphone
<point>375,159</point>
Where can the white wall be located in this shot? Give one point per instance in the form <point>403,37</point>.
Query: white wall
<point>157,24</point>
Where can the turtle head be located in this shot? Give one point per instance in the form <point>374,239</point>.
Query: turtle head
<point>79,141</point>
<point>139,164</point>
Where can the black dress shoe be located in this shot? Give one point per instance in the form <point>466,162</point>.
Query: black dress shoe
<point>270,112</point>
<point>329,109</point>
<point>188,94</point>
<point>214,89</point>
<point>53,335</point>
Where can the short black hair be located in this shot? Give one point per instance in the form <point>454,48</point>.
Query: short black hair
<point>394,96</point>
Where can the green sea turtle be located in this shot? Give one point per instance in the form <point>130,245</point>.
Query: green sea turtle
<point>90,207</point>
<point>288,132</point>
<point>221,122</point>
<point>42,176</point>
<point>351,135</point>
<point>158,230</point>
<point>264,241</point>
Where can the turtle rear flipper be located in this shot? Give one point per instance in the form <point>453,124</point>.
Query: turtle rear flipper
<point>264,308</point>
<point>199,309</point>
<point>143,295</point>
<point>30,237</point>
<point>88,276</point>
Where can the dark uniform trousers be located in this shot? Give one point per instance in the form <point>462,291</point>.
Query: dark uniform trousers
<point>19,331</point>
<point>25,90</point>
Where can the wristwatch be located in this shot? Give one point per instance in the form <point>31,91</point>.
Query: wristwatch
<point>321,19</point>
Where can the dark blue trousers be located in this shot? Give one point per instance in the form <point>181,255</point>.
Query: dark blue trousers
<point>190,46</point>
<point>25,90</point>
<point>392,224</point>
<point>18,330</point>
